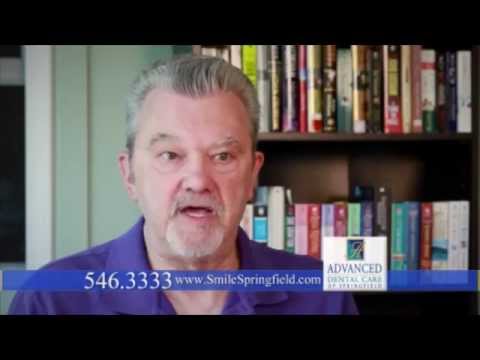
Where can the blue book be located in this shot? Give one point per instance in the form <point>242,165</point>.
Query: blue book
<point>451,91</point>
<point>413,235</point>
<point>399,243</point>
<point>260,215</point>
<point>366,214</point>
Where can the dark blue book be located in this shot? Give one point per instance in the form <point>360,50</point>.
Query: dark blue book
<point>413,235</point>
<point>366,222</point>
<point>451,91</point>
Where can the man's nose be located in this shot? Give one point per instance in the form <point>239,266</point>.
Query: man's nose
<point>197,177</point>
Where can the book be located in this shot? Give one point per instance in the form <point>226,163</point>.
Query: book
<point>406,88</point>
<point>354,219</point>
<point>383,201</point>
<point>440,236</point>
<point>314,221</point>
<point>249,63</point>
<point>392,94</point>
<point>428,91</point>
<point>303,88</point>
<point>453,261</point>
<point>464,83</point>
<point>276,217</point>
<point>441,73</point>
<point>236,55</point>
<point>340,219</point>
<point>426,236</point>
<point>264,88</point>
<point>328,220</point>
<point>375,70</point>
<point>289,222</point>
<point>344,91</point>
<point>367,215</point>
<point>451,91</point>
<point>360,89</point>
<point>290,89</point>
<point>399,240</point>
<point>314,85</point>
<point>301,229</point>
<point>417,115</point>
<point>329,88</point>
<point>260,215</point>
<point>464,234</point>
<point>276,86</point>
<point>413,235</point>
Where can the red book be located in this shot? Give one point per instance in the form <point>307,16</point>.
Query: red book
<point>314,221</point>
<point>340,219</point>
<point>426,235</point>
<point>392,88</point>
<point>303,87</point>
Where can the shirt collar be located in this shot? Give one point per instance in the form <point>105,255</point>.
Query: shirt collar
<point>128,253</point>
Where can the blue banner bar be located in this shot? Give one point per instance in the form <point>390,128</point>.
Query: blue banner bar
<point>246,280</point>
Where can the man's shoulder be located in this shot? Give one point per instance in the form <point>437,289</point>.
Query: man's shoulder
<point>280,259</point>
<point>93,258</point>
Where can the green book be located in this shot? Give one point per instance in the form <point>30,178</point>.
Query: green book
<point>398,244</point>
<point>249,62</point>
<point>354,219</point>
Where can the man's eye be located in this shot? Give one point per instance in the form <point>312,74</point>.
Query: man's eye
<point>168,156</point>
<point>222,157</point>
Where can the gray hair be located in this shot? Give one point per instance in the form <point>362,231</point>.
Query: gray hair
<point>194,76</point>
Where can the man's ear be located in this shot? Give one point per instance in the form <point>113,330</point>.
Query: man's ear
<point>257,166</point>
<point>126,170</point>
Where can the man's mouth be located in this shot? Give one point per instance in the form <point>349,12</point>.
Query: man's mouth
<point>197,212</point>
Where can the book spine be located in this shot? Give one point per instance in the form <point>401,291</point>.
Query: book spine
<point>301,229</point>
<point>260,223</point>
<point>314,84</point>
<point>426,236</point>
<point>329,88</point>
<point>249,63</point>
<point>428,91</point>
<point>452,91</point>
<point>413,235</point>
<point>464,234</point>
<point>398,248</point>
<point>417,118</point>
<point>366,228</point>
<point>441,73</point>
<point>263,87</point>
<point>375,120</point>
<point>340,219</point>
<point>303,88</point>
<point>464,83</point>
<point>344,91</point>
<point>440,236</point>
<point>276,217</point>
<point>276,85</point>
<point>236,55</point>
<point>354,219</point>
<point>290,89</point>
<point>392,98</point>
<point>453,262</point>
<point>360,88</point>
<point>326,229</point>
<point>406,88</point>
<point>314,221</point>
<point>290,228</point>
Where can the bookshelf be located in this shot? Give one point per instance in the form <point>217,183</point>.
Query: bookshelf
<point>424,167</point>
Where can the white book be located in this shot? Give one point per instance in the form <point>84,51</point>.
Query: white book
<point>345,84</point>
<point>464,234</point>
<point>301,229</point>
<point>264,87</point>
<point>247,220</point>
<point>464,89</point>
<point>406,86</point>
<point>440,236</point>
<point>236,55</point>
<point>453,262</point>
<point>276,217</point>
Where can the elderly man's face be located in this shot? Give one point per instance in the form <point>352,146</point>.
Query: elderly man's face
<point>192,171</point>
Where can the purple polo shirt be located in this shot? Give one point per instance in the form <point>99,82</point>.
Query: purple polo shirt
<point>128,253</point>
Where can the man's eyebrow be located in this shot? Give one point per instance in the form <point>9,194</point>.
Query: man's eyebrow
<point>162,137</point>
<point>230,141</point>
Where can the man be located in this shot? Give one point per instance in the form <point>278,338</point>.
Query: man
<point>191,165</point>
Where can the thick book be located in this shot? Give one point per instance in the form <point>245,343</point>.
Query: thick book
<point>340,219</point>
<point>440,236</point>
<point>464,83</point>
<point>264,88</point>
<point>330,88</point>
<point>360,88</point>
<point>399,237</point>
<point>417,116</point>
<point>301,229</point>
<point>453,261</point>
<point>406,88</point>
<point>429,102</point>
<point>413,235</point>
<point>426,236</point>
<point>367,215</point>
<point>276,217</point>
<point>441,88</point>
<point>314,221</point>
<point>276,86</point>
<point>344,91</point>
<point>302,88</point>
<point>249,63</point>
<point>375,95</point>
<point>354,219</point>
<point>290,89</point>
<point>383,201</point>
<point>314,84</point>
<point>392,89</point>
<point>289,222</point>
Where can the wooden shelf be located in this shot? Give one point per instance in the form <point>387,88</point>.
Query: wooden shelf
<point>302,137</point>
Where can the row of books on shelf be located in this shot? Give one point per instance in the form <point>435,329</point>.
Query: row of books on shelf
<point>421,235</point>
<point>391,89</point>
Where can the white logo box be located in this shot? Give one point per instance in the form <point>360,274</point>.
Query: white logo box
<point>367,273</point>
